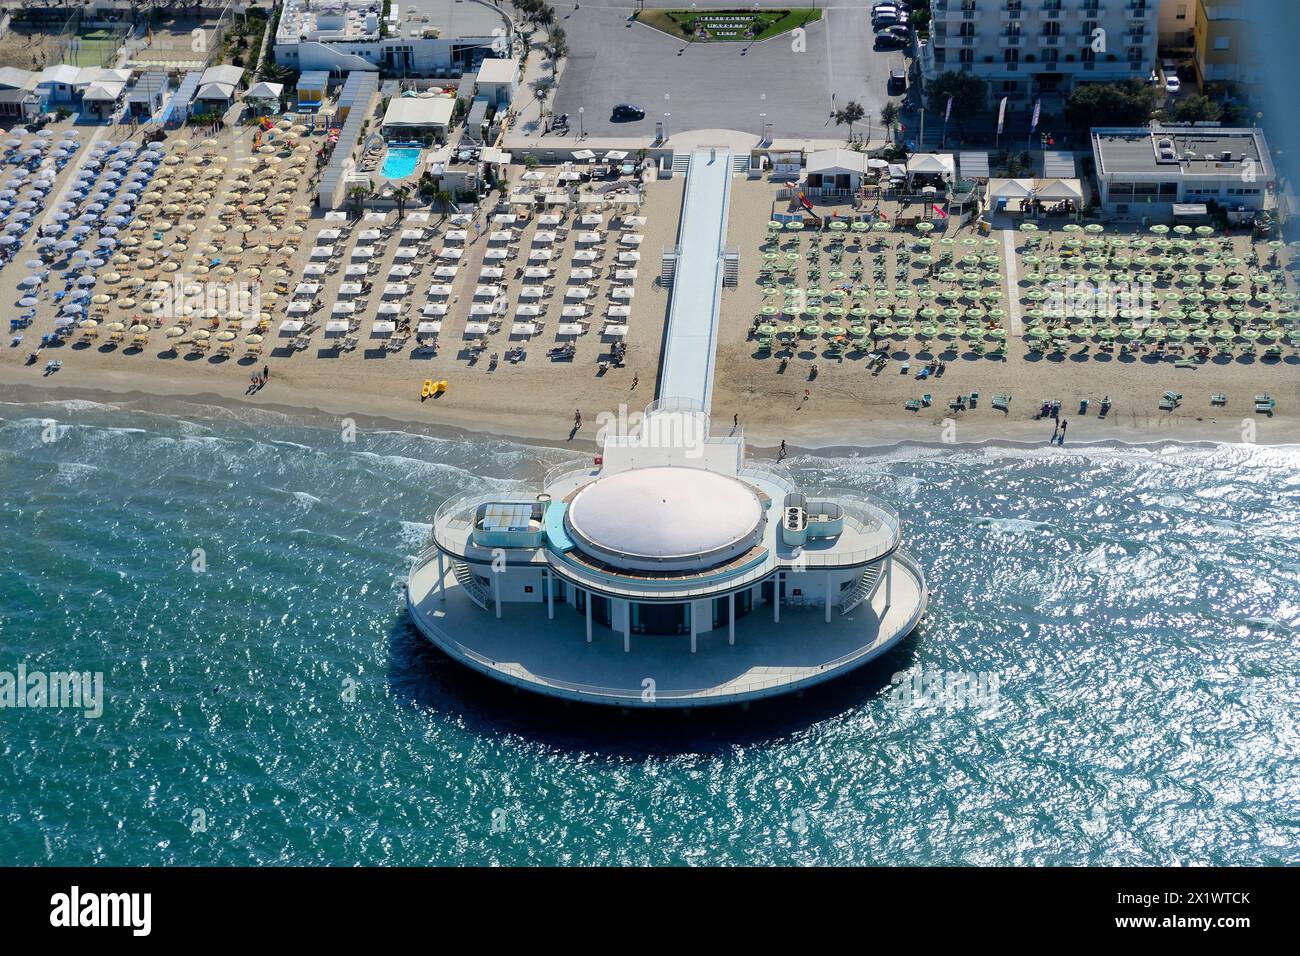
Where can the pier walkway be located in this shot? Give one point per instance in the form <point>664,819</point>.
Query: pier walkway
<point>694,308</point>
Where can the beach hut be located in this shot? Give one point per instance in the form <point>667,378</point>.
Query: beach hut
<point>265,97</point>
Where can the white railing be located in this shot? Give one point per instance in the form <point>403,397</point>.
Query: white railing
<point>745,688</point>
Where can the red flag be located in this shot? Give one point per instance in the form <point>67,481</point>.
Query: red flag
<point>942,214</point>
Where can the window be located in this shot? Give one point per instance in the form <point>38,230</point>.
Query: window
<point>1180,13</point>
<point>1221,43</point>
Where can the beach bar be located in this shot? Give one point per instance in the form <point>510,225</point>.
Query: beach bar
<point>671,573</point>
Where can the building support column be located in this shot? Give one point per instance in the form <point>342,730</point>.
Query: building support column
<point>496,590</point>
<point>776,598</point>
<point>588,602</point>
<point>627,627</point>
<point>889,581</point>
<point>442,572</point>
<point>691,605</point>
<point>828,597</point>
<point>731,618</point>
<point>550,595</point>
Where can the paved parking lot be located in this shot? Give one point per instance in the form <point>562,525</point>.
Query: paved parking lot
<point>718,85</point>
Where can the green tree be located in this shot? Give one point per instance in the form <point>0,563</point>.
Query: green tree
<point>969,94</point>
<point>358,196</point>
<point>889,117</point>
<point>556,48</point>
<point>442,199</point>
<point>850,114</point>
<point>541,90</point>
<point>401,194</point>
<point>1128,103</point>
<point>1197,108</point>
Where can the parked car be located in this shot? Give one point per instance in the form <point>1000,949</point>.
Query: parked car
<point>897,83</point>
<point>891,41</point>
<point>888,18</point>
<point>1172,83</point>
<point>898,32</point>
<point>625,112</point>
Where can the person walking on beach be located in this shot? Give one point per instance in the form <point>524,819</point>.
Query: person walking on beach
<point>577,418</point>
<point>1056,427</point>
<point>635,378</point>
<point>1064,425</point>
<point>266,372</point>
<point>735,420</point>
<point>781,454</point>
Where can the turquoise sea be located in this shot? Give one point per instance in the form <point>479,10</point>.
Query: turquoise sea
<point>267,703</point>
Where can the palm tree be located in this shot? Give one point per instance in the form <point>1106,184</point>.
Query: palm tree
<point>542,89</point>
<point>442,199</point>
<point>401,194</point>
<point>358,195</point>
<point>556,47</point>
<point>889,117</point>
<point>851,113</point>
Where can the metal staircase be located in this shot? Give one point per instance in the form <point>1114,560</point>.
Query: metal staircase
<point>681,163</point>
<point>740,164</point>
<point>465,578</point>
<point>730,268</point>
<point>863,590</point>
<point>668,266</point>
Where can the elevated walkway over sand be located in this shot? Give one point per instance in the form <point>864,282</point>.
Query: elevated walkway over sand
<point>694,308</point>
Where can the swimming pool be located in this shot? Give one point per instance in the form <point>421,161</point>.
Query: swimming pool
<point>400,161</point>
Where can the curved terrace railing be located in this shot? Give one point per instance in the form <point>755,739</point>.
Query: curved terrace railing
<point>728,690</point>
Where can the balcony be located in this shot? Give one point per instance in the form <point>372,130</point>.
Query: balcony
<point>1006,40</point>
<point>1051,11</point>
<point>1049,39</point>
<point>969,39</point>
<point>1135,39</point>
<point>1011,16</point>
<point>1138,11</point>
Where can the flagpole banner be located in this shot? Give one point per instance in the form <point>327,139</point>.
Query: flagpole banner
<point>948,111</point>
<point>1038,105</point>
<point>1002,115</point>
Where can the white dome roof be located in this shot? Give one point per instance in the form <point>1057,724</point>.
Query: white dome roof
<point>659,518</point>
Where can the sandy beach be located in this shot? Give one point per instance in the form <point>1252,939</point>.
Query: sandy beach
<point>847,404</point>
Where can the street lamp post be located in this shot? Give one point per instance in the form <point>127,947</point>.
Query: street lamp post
<point>762,128</point>
<point>581,110</point>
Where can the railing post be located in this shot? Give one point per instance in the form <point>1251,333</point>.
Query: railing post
<point>731,618</point>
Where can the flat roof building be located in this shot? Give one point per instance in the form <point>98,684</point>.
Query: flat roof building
<point>1026,49</point>
<point>418,38</point>
<point>1146,171</point>
<point>675,557</point>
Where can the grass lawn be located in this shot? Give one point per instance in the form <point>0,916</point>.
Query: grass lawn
<point>722,26</point>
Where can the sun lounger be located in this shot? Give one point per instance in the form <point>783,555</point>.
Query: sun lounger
<point>912,405</point>
<point>1001,401</point>
<point>1168,404</point>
